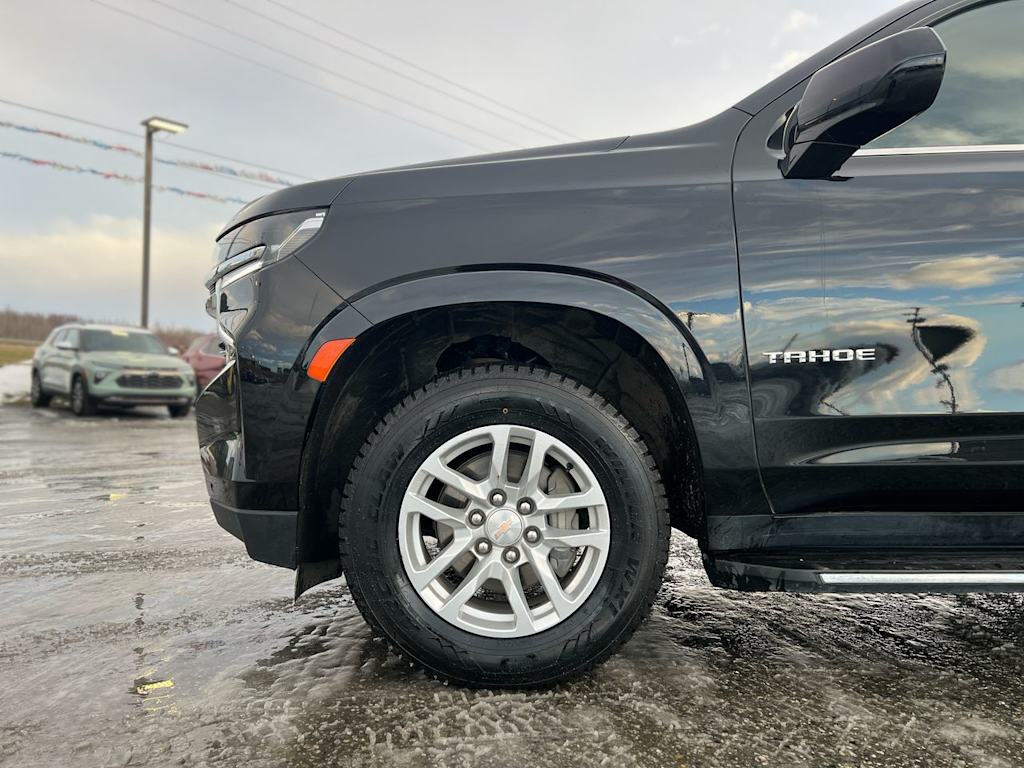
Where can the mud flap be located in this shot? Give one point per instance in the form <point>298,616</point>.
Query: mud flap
<point>308,575</point>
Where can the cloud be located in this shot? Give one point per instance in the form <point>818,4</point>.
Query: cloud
<point>93,267</point>
<point>797,20</point>
<point>1005,63</point>
<point>958,273</point>
<point>962,272</point>
<point>918,133</point>
<point>1009,378</point>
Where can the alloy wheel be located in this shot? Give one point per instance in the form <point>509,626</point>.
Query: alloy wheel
<point>504,531</point>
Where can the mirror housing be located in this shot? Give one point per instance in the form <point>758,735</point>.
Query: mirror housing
<point>66,346</point>
<point>173,351</point>
<point>859,97</point>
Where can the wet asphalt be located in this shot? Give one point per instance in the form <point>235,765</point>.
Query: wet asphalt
<point>133,631</point>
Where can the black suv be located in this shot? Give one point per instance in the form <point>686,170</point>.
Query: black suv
<point>485,389</point>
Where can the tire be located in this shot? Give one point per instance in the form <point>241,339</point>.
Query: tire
<point>82,403</point>
<point>37,397</point>
<point>179,411</point>
<point>544,406</point>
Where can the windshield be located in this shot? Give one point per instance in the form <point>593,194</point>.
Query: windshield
<point>121,341</point>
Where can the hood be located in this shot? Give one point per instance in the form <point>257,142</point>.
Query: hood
<point>149,361</point>
<point>449,175</point>
<point>320,194</point>
<point>546,170</point>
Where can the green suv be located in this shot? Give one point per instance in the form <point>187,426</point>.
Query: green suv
<point>110,365</point>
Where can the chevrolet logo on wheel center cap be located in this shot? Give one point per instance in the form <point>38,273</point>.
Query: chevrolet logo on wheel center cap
<point>504,526</point>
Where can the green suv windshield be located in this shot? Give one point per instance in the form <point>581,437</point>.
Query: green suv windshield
<point>121,341</point>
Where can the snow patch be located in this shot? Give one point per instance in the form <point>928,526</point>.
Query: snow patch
<point>14,382</point>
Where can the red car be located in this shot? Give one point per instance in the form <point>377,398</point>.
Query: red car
<point>206,357</point>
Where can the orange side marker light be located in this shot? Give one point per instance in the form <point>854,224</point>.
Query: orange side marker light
<point>325,358</point>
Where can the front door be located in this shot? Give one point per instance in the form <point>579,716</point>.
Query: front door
<point>51,365</point>
<point>884,308</point>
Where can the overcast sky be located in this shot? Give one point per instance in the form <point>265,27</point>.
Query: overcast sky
<point>71,242</point>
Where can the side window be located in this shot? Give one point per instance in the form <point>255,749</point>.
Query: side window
<point>58,337</point>
<point>981,101</point>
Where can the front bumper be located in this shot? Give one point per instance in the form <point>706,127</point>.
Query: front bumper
<point>252,419</point>
<point>261,514</point>
<point>269,536</point>
<point>148,398</point>
<point>109,391</point>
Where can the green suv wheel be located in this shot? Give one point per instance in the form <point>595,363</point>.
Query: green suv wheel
<point>37,397</point>
<point>82,403</point>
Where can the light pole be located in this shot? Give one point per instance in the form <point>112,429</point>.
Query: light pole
<point>153,125</point>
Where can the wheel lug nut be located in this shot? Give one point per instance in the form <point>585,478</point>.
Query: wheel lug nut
<point>532,535</point>
<point>476,517</point>
<point>525,506</point>
<point>497,498</point>
<point>483,547</point>
<point>510,555</point>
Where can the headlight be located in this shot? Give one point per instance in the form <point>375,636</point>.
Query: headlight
<point>261,242</point>
<point>99,374</point>
<point>245,251</point>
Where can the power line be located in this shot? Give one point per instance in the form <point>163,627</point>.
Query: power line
<point>334,73</point>
<point>398,73</point>
<point>289,75</point>
<point>123,132</point>
<point>418,68</point>
<point>117,176</point>
<point>283,73</point>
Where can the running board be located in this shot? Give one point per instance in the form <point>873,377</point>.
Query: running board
<point>838,572</point>
<point>921,578</point>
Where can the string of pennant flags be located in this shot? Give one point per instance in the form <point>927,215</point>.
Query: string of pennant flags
<point>116,176</point>
<point>226,170</point>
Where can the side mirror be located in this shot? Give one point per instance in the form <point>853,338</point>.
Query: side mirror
<point>859,97</point>
<point>67,346</point>
<point>173,351</point>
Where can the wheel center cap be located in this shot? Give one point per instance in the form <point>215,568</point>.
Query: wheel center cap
<point>504,526</point>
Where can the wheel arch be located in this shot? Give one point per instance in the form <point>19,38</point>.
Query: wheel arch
<point>615,341</point>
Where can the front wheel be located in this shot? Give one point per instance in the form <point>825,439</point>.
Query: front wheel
<point>178,411</point>
<point>82,403</point>
<point>37,397</point>
<point>504,527</point>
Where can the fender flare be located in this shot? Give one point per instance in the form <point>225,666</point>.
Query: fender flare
<point>626,304</point>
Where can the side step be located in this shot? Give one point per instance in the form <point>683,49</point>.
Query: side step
<point>864,572</point>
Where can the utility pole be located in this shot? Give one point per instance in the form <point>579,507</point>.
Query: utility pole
<point>153,125</point>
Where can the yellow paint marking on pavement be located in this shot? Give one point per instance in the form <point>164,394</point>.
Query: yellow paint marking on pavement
<point>117,496</point>
<point>142,690</point>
